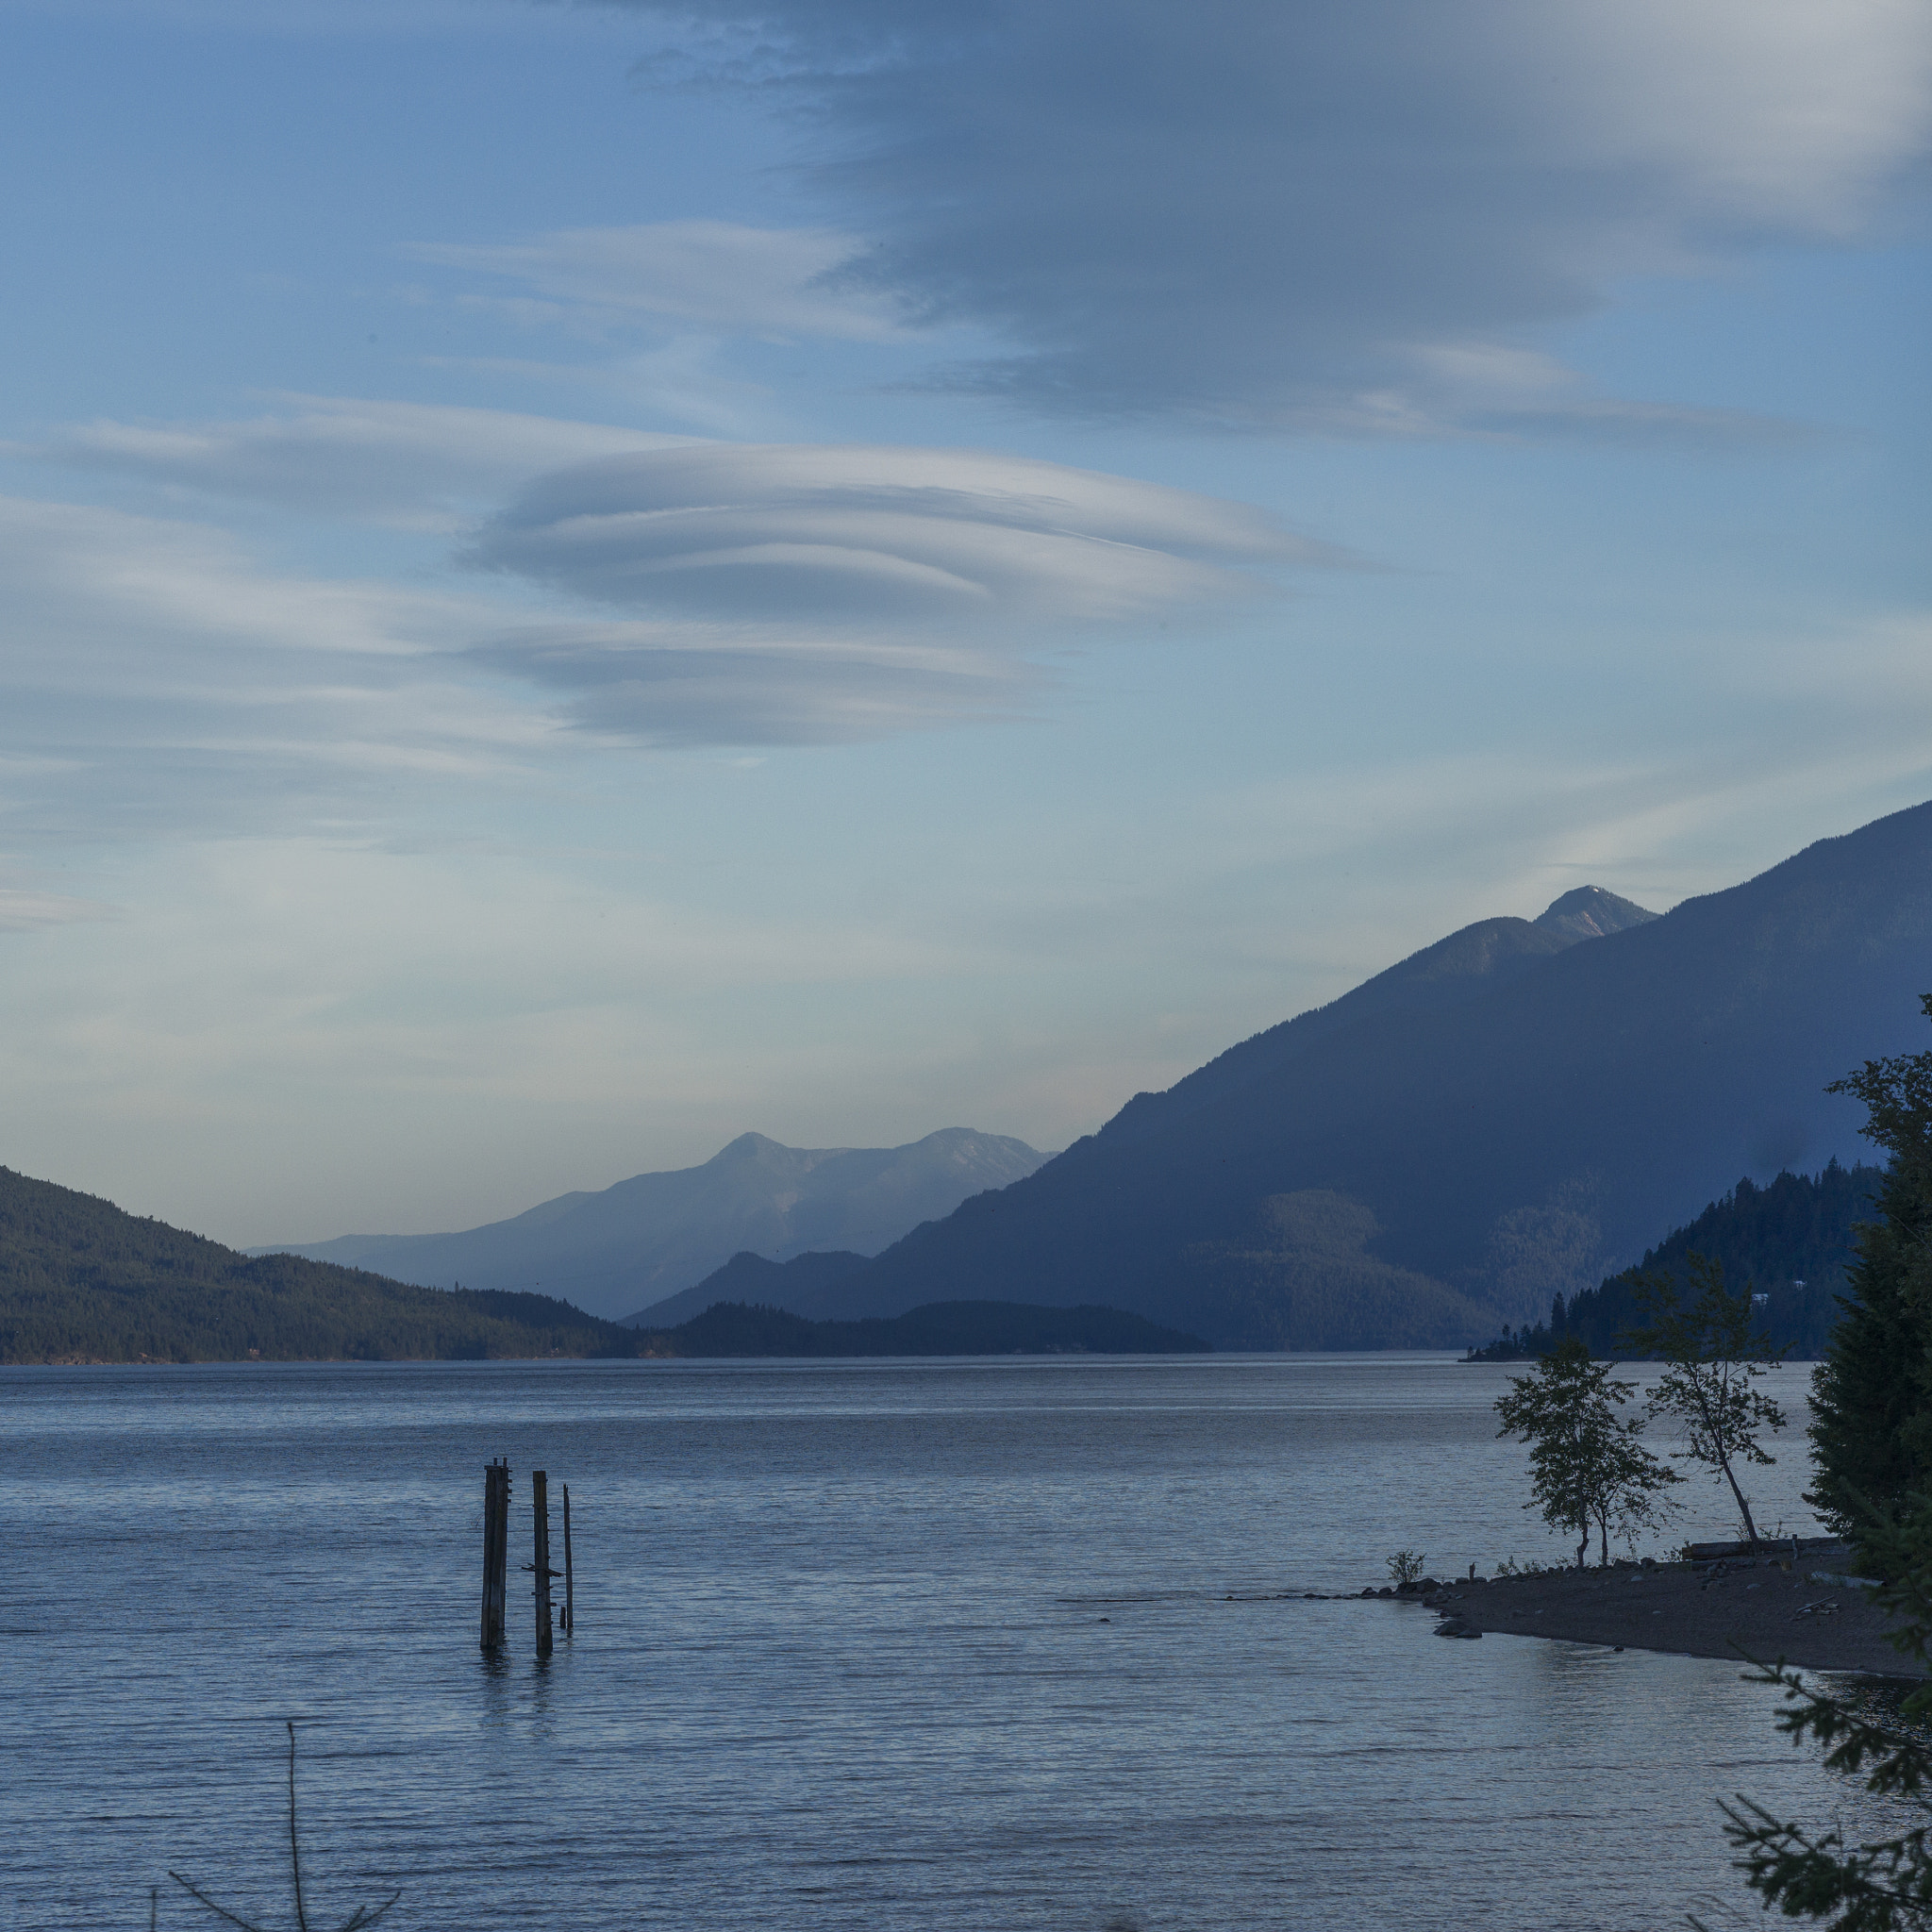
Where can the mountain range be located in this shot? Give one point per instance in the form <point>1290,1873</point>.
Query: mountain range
<point>81,1281</point>
<point>630,1246</point>
<point>1515,1111</point>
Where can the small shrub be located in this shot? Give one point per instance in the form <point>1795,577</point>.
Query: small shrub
<point>1511,1567</point>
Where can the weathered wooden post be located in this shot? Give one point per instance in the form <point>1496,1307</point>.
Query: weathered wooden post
<point>570,1590</point>
<point>495,1551</point>
<point>540,1503</point>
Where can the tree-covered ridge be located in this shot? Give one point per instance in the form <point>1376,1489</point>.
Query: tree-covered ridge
<point>80,1280</point>
<point>1791,1240</point>
<point>740,1328</point>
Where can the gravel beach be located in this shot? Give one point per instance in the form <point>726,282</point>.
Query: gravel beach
<point>1766,1607</point>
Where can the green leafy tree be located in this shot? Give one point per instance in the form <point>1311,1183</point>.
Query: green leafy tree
<point>1587,1470</point>
<point>1712,1363</point>
<point>1872,1395</point>
<point>1879,1885</point>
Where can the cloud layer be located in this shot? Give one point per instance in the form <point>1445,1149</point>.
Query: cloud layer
<point>747,595</point>
<point>1305,216</point>
<point>416,465</point>
<point>793,594</point>
<point>704,277</point>
<point>156,678</point>
<point>857,534</point>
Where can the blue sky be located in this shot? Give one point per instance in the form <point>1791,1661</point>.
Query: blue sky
<point>583,579</point>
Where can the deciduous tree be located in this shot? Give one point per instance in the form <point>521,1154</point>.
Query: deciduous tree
<point>1712,1361</point>
<point>1587,1470</point>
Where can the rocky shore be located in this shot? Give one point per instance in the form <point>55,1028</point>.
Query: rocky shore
<point>1795,1604</point>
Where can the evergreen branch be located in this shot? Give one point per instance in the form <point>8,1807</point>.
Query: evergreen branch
<point>220,1911</point>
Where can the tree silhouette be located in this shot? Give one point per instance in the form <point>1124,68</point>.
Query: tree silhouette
<point>361,1917</point>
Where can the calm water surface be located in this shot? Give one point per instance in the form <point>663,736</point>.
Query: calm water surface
<point>875,1645</point>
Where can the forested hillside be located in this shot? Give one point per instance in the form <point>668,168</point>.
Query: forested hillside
<point>1789,1241</point>
<point>82,1281</point>
<point>795,1285</point>
<point>737,1329</point>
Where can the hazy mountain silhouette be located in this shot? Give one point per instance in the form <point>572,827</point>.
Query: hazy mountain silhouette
<point>797,1286</point>
<point>615,1251</point>
<point>1516,1110</point>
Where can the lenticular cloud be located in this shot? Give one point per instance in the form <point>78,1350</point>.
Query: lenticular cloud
<point>787,594</point>
<point>856,536</point>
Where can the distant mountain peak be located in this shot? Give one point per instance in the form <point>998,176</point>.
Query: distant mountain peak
<point>653,1236</point>
<point>1588,912</point>
<point>756,1148</point>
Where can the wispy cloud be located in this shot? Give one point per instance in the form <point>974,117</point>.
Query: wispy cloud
<point>414,465</point>
<point>155,678</point>
<point>736,685</point>
<point>153,671</point>
<point>23,909</point>
<point>1301,217</point>
<point>714,278</point>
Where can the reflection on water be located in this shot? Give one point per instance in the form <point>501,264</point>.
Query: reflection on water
<point>880,1645</point>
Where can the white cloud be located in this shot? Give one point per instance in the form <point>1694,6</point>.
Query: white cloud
<point>152,669</point>
<point>1277,215</point>
<point>322,18</point>
<point>122,581</point>
<point>25,909</point>
<point>855,534</point>
<point>152,676</point>
<point>738,685</point>
<point>718,277</point>
<point>416,465</point>
<point>801,594</point>
<point>1778,114</point>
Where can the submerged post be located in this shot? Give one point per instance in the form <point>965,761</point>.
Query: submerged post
<point>540,1504</point>
<point>495,1551</point>
<point>570,1587</point>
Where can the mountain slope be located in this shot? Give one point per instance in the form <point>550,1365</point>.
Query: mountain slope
<point>1502,1109</point>
<point>632,1245</point>
<point>82,1281</point>
<point>798,1287</point>
<point>1791,1244</point>
<point>1453,971</point>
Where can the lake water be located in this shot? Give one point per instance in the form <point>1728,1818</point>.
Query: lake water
<point>875,1645</point>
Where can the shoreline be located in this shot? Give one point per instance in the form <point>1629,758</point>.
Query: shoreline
<point>1773,1605</point>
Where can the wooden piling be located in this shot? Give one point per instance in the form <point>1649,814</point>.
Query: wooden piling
<point>495,1551</point>
<point>540,1504</point>
<point>570,1588</point>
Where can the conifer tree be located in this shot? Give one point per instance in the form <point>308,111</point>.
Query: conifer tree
<point>1856,1883</point>
<point>1872,1396</point>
